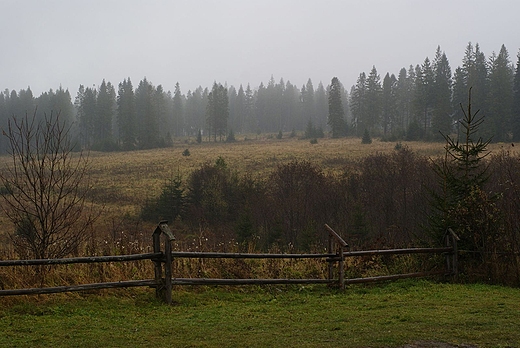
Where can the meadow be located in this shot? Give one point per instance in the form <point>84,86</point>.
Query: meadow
<point>399,314</point>
<point>123,179</point>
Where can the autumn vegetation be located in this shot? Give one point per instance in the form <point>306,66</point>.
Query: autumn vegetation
<point>276,194</point>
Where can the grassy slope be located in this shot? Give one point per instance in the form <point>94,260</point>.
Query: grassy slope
<point>378,316</point>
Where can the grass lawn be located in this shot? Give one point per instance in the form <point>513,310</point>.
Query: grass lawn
<point>389,315</point>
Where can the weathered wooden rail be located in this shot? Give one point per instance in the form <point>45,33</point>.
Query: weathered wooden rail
<point>164,281</point>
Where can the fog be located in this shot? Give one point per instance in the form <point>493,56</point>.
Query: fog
<point>46,44</point>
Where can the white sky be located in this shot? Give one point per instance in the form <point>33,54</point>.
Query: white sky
<point>48,43</point>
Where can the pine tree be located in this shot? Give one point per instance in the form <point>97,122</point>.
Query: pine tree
<point>500,95</point>
<point>480,82</point>
<point>515,123</point>
<point>459,91</point>
<point>146,115</point>
<point>217,111</point>
<point>424,95</point>
<point>336,112</point>
<point>442,109</point>
<point>105,106</point>
<point>161,101</point>
<point>321,105</point>
<point>358,103</point>
<point>232,100</point>
<point>240,109</point>
<point>474,75</point>
<point>250,122</point>
<point>126,116</point>
<point>308,103</point>
<point>462,204</point>
<point>389,103</point>
<point>86,104</point>
<point>366,139</point>
<point>403,95</point>
<point>291,105</point>
<point>374,93</point>
<point>178,111</point>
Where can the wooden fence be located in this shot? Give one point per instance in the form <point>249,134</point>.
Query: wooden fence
<point>164,281</point>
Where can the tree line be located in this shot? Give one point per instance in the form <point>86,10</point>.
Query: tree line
<point>420,103</point>
<point>424,101</point>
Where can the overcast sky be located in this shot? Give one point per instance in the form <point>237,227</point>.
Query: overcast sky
<point>48,43</point>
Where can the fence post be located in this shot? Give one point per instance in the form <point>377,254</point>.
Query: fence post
<point>157,263</point>
<point>329,251</point>
<point>341,268</point>
<point>340,252</point>
<point>164,285</point>
<point>451,241</point>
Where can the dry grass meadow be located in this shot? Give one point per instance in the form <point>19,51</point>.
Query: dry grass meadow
<point>125,179</point>
<point>122,181</point>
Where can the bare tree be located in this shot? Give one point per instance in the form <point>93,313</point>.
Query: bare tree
<point>45,188</point>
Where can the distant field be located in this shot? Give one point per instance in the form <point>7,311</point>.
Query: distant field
<point>130,177</point>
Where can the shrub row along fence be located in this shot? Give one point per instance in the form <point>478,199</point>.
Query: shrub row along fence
<point>164,281</point>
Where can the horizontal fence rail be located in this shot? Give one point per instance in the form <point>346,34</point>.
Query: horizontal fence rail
<point>213,255</point>
<point>394,277</point>
<point>84,287</point>
<point>398,251</point>
<point>73,260</point>
<point>212,281</point>
<point>164,279</point>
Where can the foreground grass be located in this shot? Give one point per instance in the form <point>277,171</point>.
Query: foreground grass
<point>388,315</point>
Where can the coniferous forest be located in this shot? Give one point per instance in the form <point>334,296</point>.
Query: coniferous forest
<point>416,103</point>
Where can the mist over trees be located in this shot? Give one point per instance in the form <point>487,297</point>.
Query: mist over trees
<point>417,103</point>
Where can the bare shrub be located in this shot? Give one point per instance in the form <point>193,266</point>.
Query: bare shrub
<point>46,187</point>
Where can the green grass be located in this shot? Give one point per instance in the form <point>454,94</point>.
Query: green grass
<point>389,315</point>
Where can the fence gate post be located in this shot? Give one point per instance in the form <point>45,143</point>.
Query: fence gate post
<point>164,285</point>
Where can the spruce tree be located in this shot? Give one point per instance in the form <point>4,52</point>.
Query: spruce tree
<point>516,103</point>
<point>374,93</point>
<point>126,117</point>
<point>462,204</point>
<point>442,109</point>
<point>358,103</point>
<point>366,139</point>
<point>217,111</point>
<point>336,112</point>
<point>178,111</point>
<point>500,96</point>
<point>389,103</point>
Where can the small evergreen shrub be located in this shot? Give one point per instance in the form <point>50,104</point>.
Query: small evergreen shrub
<point>231,137</point>
<point>366,138</point>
